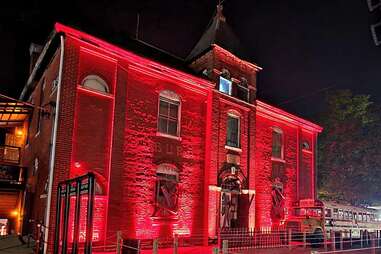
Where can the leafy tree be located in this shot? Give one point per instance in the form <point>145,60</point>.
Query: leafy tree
<point>349,149</point>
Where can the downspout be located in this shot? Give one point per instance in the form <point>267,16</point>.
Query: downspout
<point>53,149</point>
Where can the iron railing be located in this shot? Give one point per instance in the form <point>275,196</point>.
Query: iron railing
<point>9,154</point>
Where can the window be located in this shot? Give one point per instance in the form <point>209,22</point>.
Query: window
<point>328,212</point>
<point>305,146</point>
<point>40,112</point>
<point>341,214</point>
<point>232,138</point>
<point>35,166</point>
<point>225,86</point>
<point>169,108</point>
<point>54,85</point>
<point>166,190</point>
<point>96,83</point>
<point>277,144</point>
<point>243,90</point>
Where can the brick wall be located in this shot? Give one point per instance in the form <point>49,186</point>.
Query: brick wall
<point>264,167</point>
<point>143,151</point>
<point>38,144</point>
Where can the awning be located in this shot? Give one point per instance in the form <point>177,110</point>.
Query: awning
<point>13,112</point>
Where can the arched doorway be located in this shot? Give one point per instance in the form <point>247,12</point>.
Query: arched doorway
<point>231,181</point>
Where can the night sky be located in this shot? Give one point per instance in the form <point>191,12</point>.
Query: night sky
<point>306,48</point>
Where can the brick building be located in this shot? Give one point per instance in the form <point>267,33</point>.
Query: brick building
<point>177,147</point>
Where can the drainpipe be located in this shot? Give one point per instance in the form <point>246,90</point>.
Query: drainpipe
<point>53,149</point>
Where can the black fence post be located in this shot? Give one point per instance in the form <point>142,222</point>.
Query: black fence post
<point>58,219</point>
<point>66,218</point>
<point>89,220</point>
<point>76,216</point>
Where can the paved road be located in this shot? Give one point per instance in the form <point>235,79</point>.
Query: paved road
<point>12,244</point>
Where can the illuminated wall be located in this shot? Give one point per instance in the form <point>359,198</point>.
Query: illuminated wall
<point>114,134</point>
<point>297,163</point>
<point>93,126</point>
<point>144,150</point>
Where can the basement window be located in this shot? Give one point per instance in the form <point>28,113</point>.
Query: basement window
<point>166,190</point>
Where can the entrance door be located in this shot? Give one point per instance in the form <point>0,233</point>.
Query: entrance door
<point>229,209</point>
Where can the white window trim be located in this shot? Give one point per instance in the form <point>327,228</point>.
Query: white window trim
<point>236,149</point>
<point>159,134</point>
<point>170,96</point>
<point>278,159</point>
<point>237,116</point>
<point>279,131</point>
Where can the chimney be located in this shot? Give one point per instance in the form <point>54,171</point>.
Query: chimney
<point>34,52</point>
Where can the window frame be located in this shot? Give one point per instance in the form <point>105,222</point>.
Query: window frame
<point>281,133</point>
<point>171,98</point>
<point>238,117</point>
<point>230,85</point>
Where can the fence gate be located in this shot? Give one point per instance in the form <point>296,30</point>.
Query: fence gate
<point>74,189</point>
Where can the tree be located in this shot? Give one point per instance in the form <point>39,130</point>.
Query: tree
<point>349,155</point>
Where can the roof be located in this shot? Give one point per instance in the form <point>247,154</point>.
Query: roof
<point>220,33</point>
<point>135,50</point>
<point>13,112</point>
<point>279,114</point>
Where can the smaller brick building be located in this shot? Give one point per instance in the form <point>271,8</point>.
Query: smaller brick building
<point>177,147</point>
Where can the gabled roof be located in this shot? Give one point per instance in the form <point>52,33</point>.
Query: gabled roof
<point>220,33</point>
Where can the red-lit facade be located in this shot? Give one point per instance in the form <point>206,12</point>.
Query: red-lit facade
<point>173,153</point>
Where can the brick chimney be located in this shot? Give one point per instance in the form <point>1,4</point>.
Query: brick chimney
<point>34,53</point>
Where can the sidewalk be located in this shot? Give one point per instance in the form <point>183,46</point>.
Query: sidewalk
<point>12,244</point>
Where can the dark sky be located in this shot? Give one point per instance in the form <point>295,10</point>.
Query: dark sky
<point>305,47</point>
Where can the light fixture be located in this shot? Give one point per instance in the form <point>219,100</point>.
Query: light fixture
<point>14,213</point>
<point>19,133</point>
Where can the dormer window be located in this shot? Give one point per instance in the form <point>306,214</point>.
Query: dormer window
<point>225,86</point>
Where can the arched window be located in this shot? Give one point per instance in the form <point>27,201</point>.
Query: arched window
<point>306,145</point>
<point>96,83</point>
<point>169,113</point>
<point>166,191</point>
<point>277,143</point>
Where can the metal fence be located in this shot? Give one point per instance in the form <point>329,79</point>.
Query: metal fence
<point>240,238</point>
